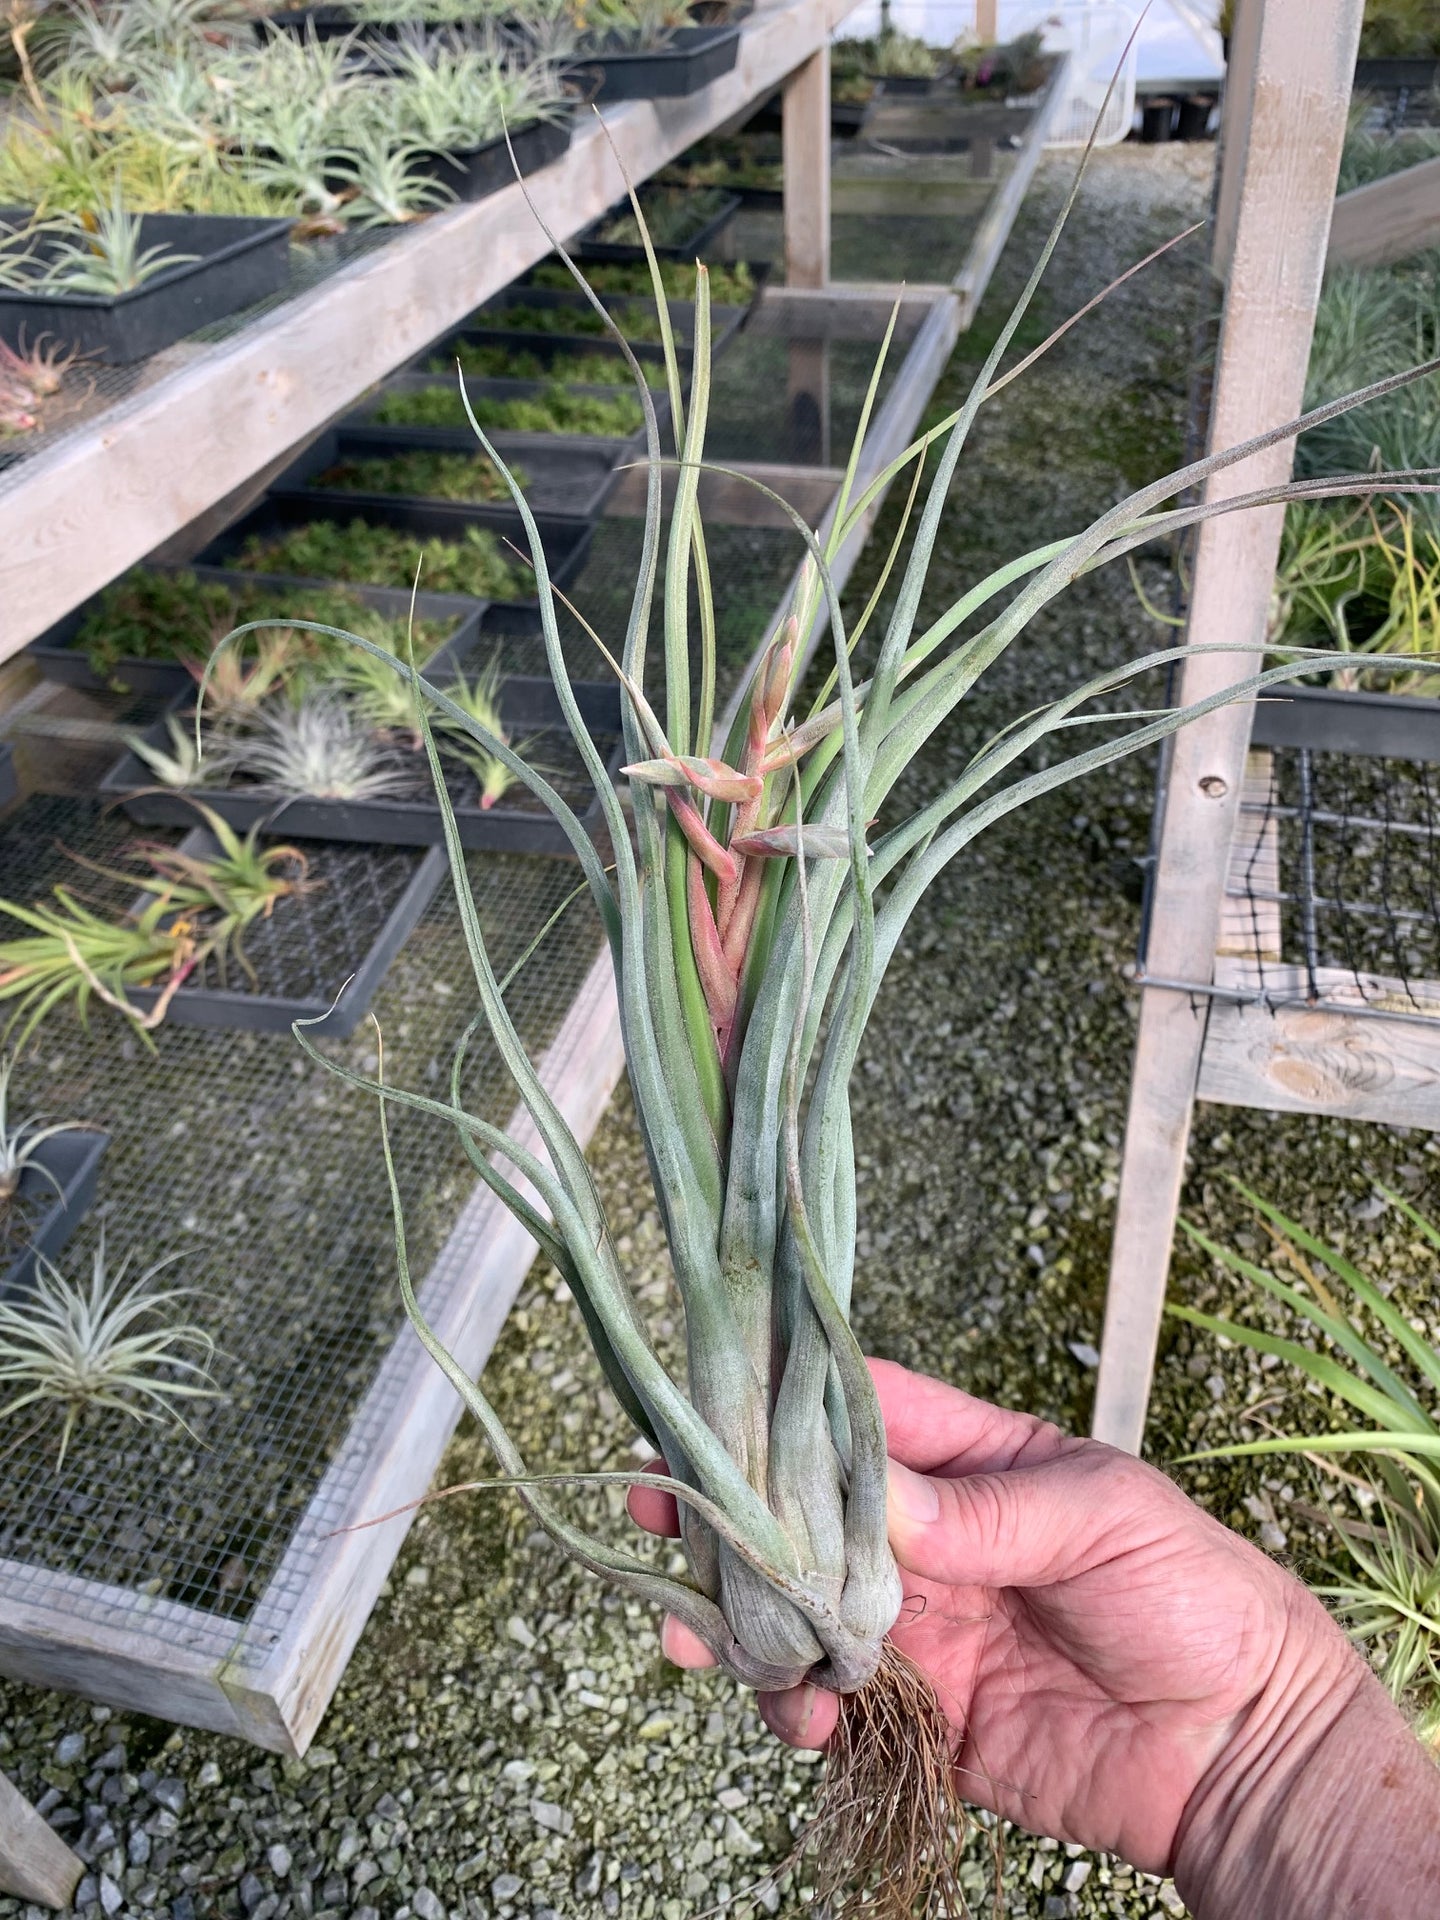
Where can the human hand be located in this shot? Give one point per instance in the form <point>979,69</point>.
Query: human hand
<point>1105,1651</point>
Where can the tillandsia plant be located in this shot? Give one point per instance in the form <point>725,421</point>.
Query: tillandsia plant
<point>1391,1592</point>
<point>98,253</point>
<point>21,1141</point>
<point>751,920</point>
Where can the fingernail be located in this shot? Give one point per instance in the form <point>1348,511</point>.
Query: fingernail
<point>789,1714</point>
<point>913,1497</point>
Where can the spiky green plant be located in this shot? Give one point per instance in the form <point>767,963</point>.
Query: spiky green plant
<point>179,761</point>
<point>98,254</point>
<point>1389,1374</point>
<point>71,953</point>
<point>477,702</point>
<point>106,1345</point>
<point>21,1140</point>
<point>751,919</point>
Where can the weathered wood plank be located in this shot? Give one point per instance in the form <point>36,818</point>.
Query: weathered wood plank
<point>1249,923</point>
<point>805,154</point>
<point>1294,1059</point>
<point>1304,65</point>
<point>1388,219</point>
<point>35,1862</point>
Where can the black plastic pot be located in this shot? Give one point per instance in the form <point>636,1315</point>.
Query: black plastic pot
<point>372,900</point>
<point>57,1204</point>
<point>566,540</point>
<point>60,659</point>
<point>484,170</point>
<point>1192,122</point>
<point>240,261</point>
<point>565,473</point>
<point>517,823</point>
<point>693,58</point>
<point>684,251</point>
<point>1390,726</point>
<point>1157,119</point>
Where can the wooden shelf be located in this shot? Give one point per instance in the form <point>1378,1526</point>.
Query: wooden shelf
<point>113,491</point>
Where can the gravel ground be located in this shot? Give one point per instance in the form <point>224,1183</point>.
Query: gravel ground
<point>507,1740</point>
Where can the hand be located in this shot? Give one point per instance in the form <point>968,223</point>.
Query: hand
<point>1098,1642</point>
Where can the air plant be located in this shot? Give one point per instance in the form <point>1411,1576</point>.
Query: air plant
<point>179,761</point>
<point>237,683</point>
<point>71,953</point>
<point>322,748</point>
<point>22,1140</point>
<point>98,253</point>
<point>225,892</point>
<point>1393,1593</point>
<point>478,703</point>
<point>384,185</point>
<point>383,701</point>
<point>751,920</point>
<point>454,98</point>
<point>110,1345</point>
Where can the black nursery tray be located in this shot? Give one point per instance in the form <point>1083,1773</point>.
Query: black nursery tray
<point>564,473</point>
<point>59,656</point>
<point>566,540</point>
<point>57,1204</point>
<point>1391,726</point>
<point>485,170</point>
<point>517,823</point>
<point>241,260</point>
<point>591,248</point>
<point>693,58</point>
<point>337,940</point>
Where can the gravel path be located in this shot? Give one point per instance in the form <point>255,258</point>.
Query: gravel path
<point>507,1740</point>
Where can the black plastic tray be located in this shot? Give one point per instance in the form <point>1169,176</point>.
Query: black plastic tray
<point>566,540</point>
<point>9,780</point>
<point>1391,726</point>
<point>232,1008</point>
<point>60,659</point>
<point>565,473</point>
<point>631,251</point>
<point>73,1159</point>
<point>242,260</point>
<point>488,327</point>
<point>484,170</point>
<point>694,57</point>
<point>517,823</point>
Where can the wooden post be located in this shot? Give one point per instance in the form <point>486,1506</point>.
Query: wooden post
<point>805,148</point>
<point>986,30</point>
<point>35,1862</point>
<point>1238,104</point>
<point>1304,64</point>
<point>1388,219</point>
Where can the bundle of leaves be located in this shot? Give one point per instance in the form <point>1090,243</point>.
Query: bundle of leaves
<point>381,556</point>
<point>424,473</point>
<point>67,253</point>
<point>1364,579</point>
<point>1400,29</point>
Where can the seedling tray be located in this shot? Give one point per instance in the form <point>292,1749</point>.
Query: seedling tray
<point>589,248</point>
<point>60,658</point>
<point>565,473</point>
<point>1391,726</point>
<point>517,823</point>
<point>241,260</point>
<point>693,58</point>
<point>566,540</point>
<point>485,170</point>
<point>490,327</point>
<point>320,954</point>
<point>58,1204</point>
<point>484,389</point>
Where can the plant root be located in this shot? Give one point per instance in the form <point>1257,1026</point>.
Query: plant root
<point>889,1823</point>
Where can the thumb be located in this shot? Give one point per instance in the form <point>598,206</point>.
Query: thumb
<point>986,1529</point>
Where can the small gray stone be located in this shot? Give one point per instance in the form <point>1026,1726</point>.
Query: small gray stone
<point>268,1908</point>
<point>139,1847</point>
<point>70,1749</point>
<point>366,1913</point>
<point>552,1817</point>
<point>87,1894</point>
<point>505,1886</point>
<point>279,1861</point>
<point>587,1881</point>
<point>252,1892</point>
<point>1076,1875</point>
<point>426,1905</point>
<point>209,1775</point>
<point>111,1898</point>
<point>170,1794</point>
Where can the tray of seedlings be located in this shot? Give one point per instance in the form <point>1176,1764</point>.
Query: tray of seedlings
<point>48,1174</point>
<point>153,630</point>
<point>341,758</point>
<point>660,66</point>
<point>475,551</point>
<point>734,284</point>
<point>681,224</point>
<point>473,173</point>
<point>547,320</point>
<point>424,410</point>
<point>564,474</point>
<point>121,286</point>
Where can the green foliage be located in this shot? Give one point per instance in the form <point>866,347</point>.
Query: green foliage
<point>555,410</point>
<point>731,284</point>
<point>672,215</point>
<point>1363,579</point>
<point>636,321</point>
<point>890,55</point>
<point>388,557</point>
<point>490,360</point>
<point>1407,29</point>
<point>1371,156</point>
<point>1369,1359</point>
<point>424,473</point>
<point>21,1140</point>
<point>102,255</point>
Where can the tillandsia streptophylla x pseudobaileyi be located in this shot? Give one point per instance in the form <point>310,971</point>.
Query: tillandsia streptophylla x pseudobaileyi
<point>751,922</point>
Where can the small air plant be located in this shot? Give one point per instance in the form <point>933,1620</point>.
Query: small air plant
<point>109,1345</point>
<point>181,762</point>
<point>97,253</point>
<point>28,378</point>
<point>21,1141</point>
<point>756,898</point>
<point>380,698</point>
<point>236,683</point>
<point>71,953</point>
<point>225,892</point>
<point>477,711</point>
<point>322,748</point>
<point>386,184</point>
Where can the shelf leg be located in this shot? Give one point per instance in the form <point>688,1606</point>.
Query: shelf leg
<point>1304,62</point>
<point>805,146</point>
<point>35,1862</point>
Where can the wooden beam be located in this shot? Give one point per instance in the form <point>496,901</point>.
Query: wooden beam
<point>986,30</point>
<point>1388,219</point>
<point>105,496</point>
<point>35,1863</point>
<point>1304,65</point>
<point>805,152</point>
<point>1294,1059</point>
<point>1249,921</point>
<point>1237,105</point>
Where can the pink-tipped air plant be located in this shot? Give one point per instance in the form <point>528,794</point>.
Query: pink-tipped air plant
<point>751,918</point>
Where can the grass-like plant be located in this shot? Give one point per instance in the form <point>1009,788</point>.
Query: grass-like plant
<point>1370,1360</point>
<point>21,1140</point>
<point>639,321</point>
<point>179,761</point>
<point>751,912</point>
<point>386,557</point>
<point>425,473</point>
<point>109,1344</point>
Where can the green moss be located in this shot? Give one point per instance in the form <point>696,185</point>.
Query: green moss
<point>387,556</point>
<point>490,361</point>
<point>636,322</point>
<point>556,410</point>
<point>428,474</point>
<point>672,215</point>
<point>149,615</point>
<point>731,285</point>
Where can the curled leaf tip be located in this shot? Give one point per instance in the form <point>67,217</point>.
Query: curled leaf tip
<point>785,842</point>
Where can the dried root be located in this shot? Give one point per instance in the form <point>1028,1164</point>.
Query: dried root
<point>888,1828</point>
